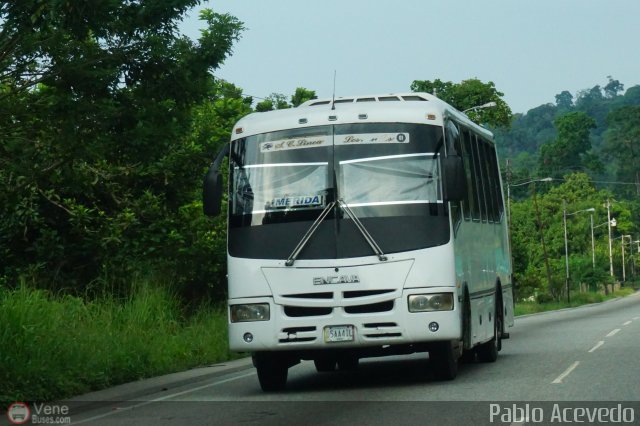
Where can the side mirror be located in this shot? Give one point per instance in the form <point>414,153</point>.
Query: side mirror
<point>212,192</point>
<point>212,186</point>
<point>455,185</point>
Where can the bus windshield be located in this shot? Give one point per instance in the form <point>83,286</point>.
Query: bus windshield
<point>408,178</point>
<point>387,173</point>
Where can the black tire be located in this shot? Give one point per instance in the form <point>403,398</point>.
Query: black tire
<point>272,372</point>
<point>488,352</point>
<point>468,357</point>
<point>444,361</point>
<point>469,353</point>
<point>466,323</point>
<point>499,323</point>
<point>325,364</point>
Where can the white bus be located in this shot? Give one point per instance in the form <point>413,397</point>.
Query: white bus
<point>362,227</point>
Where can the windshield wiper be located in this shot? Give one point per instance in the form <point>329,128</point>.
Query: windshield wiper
<point>372,243</point>
<point>307,236</point>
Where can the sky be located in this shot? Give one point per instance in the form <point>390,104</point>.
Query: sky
<point>531,50</point>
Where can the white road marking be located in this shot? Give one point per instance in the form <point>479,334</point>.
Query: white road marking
<point>600,343</point>
<point>635,318</point>
<point>163,398</point>
<point>627,323</point>
<point>566,373</point>
<point>613,332</point>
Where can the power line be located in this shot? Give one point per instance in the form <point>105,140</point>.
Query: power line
<point>593,181</point>
<point>603,182</point>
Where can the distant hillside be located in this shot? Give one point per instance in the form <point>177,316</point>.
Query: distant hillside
<point>529,131</point>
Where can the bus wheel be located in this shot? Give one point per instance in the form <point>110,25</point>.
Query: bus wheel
<point>325,364</point>
<point>444,361</point>
<point>468,353</point>
<point>488,352</point>
<point>272,371</point>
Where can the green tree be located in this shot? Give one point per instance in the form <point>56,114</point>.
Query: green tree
<point>622,145</point>
<point>279,101</point>
<point>571,149</point>
<point>564,100</point>
<point>468,94</point>
<point>575,193</point>
<point>272,102</point>
<point>613,87</point>
<point>96,103</point>
<point>302,95</point>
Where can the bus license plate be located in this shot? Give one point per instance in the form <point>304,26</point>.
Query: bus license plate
<point>338,333</point>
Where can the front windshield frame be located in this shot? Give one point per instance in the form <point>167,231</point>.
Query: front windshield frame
<point>422,217</point>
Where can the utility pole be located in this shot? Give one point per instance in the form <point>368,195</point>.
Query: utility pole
<point>610,248</point>
<point>566,249</point>
<point>544,246</point>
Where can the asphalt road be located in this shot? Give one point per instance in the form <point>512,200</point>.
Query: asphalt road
<point>573,357</point>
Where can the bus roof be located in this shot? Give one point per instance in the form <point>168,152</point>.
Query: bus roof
<point>408,107</point>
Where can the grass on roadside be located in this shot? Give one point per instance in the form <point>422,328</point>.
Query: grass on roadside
<point>59,346</point>
<point>577,299</point>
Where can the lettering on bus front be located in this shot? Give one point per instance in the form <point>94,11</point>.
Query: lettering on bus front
<point>300,201</point>
<point>336,279</point>
<point>297,143</point>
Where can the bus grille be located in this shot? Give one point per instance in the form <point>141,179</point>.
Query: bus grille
<point>370,308</point>
<point>306,311</point>
<point>297,334</point>
<point>351,302</point>
<point>383,330</point>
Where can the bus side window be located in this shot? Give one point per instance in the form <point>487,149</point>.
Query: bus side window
<point>489,180</point>
<point>495,172</point>
<point>452,138</point>
<point>480,184</point>
<point>470,203</point>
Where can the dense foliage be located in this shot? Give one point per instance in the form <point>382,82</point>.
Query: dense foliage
<point>107,120</point>
<point>539,218</point>
<point>468,95</point>
<point>591,125</point>
<point>596,141</point>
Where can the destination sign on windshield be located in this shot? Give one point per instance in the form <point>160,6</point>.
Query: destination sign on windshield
<point>371,138</point>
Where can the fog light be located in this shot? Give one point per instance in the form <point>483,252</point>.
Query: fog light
<point>248,337</point>
<point>434,326</point>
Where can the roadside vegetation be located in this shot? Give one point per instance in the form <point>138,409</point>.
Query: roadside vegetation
<point>56,346</point>
<point>578,299</point>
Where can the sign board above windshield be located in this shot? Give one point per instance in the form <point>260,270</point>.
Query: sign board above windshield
<point>322,141</point>
<point>371,138</point>
<point>295,143</point>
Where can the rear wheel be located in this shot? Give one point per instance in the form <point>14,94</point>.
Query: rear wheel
<point>444,361</point>
<point>488,352</point>
<point>272,371</point>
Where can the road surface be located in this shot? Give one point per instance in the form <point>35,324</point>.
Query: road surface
<point>572,357</point>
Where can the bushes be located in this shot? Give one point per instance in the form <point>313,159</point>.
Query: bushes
<point>59,346</point>
<point>545,302</point>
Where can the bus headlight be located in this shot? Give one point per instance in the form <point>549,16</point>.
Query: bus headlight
<point>250,312</point>
<point>431,302</point>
